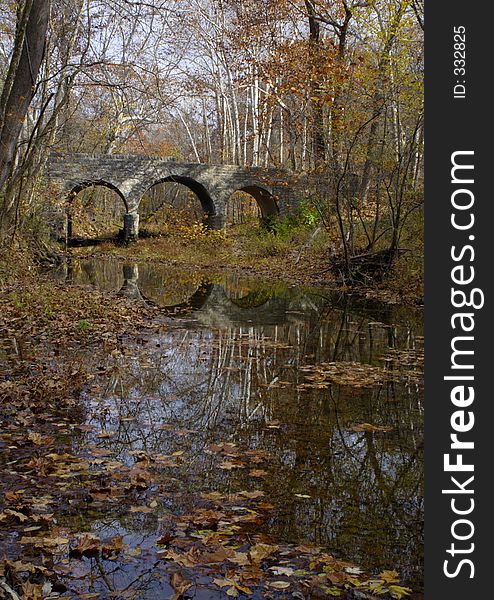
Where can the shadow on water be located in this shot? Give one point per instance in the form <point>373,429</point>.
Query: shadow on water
<point>246,363</point>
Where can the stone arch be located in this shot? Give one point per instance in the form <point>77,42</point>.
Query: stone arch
<point>132,289</point>
<point>265,200</point>
<point>203,195</point>
<point>194,302</point>
<point>75,189</point>
<point>91,183</point>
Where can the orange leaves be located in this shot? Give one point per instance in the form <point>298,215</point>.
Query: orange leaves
<point>90,545</point>
<point>53,543</point>
<point>298,65</point>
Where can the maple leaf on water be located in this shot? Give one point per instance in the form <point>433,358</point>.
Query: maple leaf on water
<point>88,545</point>
<point>179,584</point>
<point>260,551</point>
<point>234,586</point>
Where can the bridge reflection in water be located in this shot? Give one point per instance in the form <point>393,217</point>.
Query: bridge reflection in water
<point>234,369</point>
<point>230,303</point>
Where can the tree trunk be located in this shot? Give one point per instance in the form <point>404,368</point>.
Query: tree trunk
<point>23,87</point>
<point>378,100</point>
<point>23,13</point>
<point>318,137</point>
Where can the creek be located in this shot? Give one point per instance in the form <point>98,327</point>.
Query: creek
<point>324,391</point>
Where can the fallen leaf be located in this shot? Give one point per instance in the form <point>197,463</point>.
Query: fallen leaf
<point>258,473</point>
<point>369,428</point>
<point>228,465</point>
<point>140,509</point>
<point>259,552</point>
<point>179,584</point>
<point>252,495</point>
<point>282,571</point>
<point>14,513</point>
<point>279,585</point>
<point>88,545</point>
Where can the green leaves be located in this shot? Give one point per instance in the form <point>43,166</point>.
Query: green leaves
<point>83,325</point>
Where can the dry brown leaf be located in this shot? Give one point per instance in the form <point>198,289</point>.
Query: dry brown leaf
<point>179,584</point>
<point>88,545</point>
<point>252,495</point>
<point>370,428</point>
<point>141,509</point>
<point>258,473</point>
<point>261,551</point>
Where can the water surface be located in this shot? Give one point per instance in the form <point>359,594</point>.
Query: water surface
<point>246,362</point>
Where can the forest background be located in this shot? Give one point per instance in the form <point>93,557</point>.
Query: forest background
<point>329,88</point>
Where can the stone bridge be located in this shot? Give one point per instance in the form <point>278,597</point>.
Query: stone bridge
<point>132,176</point>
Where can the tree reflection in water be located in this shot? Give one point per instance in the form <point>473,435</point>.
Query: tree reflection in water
<point>231,372</point>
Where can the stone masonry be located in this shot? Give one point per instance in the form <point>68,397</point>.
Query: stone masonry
<point>131,176</point>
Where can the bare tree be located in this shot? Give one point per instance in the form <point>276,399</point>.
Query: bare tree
<point>20,83</point>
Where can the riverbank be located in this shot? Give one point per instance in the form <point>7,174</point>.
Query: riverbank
<point>294,256</point>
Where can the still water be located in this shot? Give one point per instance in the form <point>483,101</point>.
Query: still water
<point>325,390</point>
